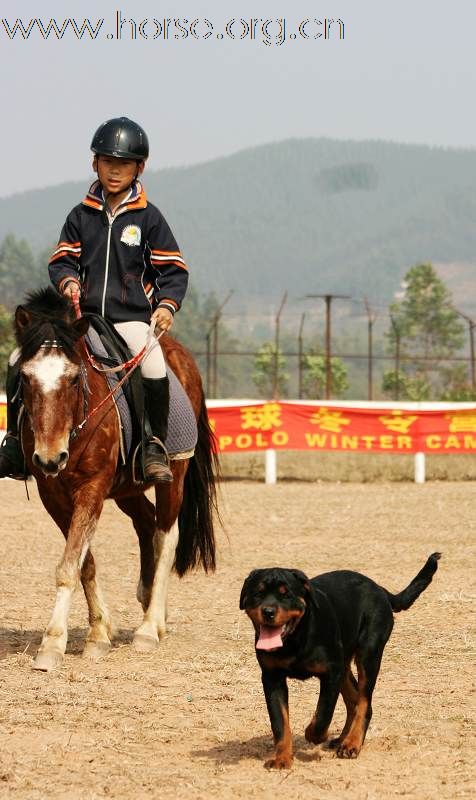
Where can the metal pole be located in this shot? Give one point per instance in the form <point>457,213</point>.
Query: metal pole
<point>212,385</point>
<point>396,332</point>
<point>300,358</point>
<point>276,349</point>
<point>215,354</point>
<point>209,365</point>
<point>370,323</point>
<point>328,299</point>
<point>472,326</point>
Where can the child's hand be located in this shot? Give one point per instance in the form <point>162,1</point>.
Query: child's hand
<point>71,289</point>
<point>164,319</point>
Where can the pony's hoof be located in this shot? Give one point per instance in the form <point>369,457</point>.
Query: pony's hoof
<point>144,643</point>
<point>94,651</point>
<point>47,660</point>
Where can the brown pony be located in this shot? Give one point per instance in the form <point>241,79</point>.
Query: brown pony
<point>75,474</point>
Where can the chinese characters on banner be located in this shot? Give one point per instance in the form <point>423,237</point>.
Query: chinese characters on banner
<point>295,426</point>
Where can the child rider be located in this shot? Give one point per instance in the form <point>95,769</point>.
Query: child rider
<point>118,253</point>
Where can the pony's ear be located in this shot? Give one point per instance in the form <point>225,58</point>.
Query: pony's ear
<point>80,327</point>
<point>22,319</point>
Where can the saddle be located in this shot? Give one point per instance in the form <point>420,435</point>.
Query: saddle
<point>110,350</point>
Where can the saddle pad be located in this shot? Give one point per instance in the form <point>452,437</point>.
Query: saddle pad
<point>97,348</point>
<point>182,434</point>
<point>182,430</point>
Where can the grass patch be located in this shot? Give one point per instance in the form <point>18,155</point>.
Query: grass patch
<point>300,465</point>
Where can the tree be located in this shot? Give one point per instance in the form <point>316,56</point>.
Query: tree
<point>401,386</point>
<point>458,387</point>
<point>427,330</point>
<point>269,371</point>
<point>314,378</point>
<point>18,272</point>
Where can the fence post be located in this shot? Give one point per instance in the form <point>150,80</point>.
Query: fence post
<point>270,467</point>
<point>419,467</point>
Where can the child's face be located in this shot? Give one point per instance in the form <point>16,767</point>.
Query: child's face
<point>116,174</point>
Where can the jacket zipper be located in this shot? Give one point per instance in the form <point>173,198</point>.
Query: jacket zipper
<point>106,273</point>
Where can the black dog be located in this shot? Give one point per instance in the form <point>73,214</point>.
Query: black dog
<point>307,628</point>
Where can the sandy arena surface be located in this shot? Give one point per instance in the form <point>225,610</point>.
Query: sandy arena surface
<point>189,721</point>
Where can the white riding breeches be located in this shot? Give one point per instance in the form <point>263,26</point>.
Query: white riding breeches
<point>135,335</point>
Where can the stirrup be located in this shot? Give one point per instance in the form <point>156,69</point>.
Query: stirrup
<point>156,461</point>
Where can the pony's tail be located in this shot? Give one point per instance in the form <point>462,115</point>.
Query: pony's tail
<point>196,545</point>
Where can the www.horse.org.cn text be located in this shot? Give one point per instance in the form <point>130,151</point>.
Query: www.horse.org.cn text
<point>121,27</point>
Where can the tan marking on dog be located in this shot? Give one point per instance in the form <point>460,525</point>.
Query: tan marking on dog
<point>316,667</point>
<point>351,745</point>
<point>272,661</point>
<point>283,757</point>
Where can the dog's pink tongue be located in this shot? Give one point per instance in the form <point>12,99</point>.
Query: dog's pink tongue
<point>269,638</point>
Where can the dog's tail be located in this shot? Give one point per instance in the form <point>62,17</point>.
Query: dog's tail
<point>406,598</point>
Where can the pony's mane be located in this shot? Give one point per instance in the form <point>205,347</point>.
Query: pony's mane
<point>51,319</point>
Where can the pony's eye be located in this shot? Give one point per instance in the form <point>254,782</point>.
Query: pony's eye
<point>25,378</point>
<point>75,380</point>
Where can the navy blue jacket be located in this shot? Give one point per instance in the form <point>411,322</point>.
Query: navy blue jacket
<point>127,267</point>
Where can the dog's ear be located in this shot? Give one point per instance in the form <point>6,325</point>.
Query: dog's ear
<point>310,594</point>
<point>302,578</point>
<point>245,588</point>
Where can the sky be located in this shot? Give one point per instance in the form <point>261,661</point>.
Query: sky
<point>404,71</point>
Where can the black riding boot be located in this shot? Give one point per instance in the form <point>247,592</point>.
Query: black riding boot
<point>12,463</point>
<point>156,406</point>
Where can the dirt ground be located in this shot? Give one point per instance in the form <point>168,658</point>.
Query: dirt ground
<point>190,720</point>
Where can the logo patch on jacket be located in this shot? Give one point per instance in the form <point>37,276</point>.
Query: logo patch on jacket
<point>131,235</point>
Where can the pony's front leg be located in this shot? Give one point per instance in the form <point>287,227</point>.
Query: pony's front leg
<point>98,641</point>
<point>83,524</point>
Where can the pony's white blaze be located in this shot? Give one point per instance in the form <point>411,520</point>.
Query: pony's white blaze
<point>48,369</point>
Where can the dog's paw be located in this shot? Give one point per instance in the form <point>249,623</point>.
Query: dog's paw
<point>333,744</point>
<point>344,750</point>
<point>314,736</point>
<point>279,762</point>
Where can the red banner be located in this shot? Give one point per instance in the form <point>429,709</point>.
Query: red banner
<point>296,426</point>
<point>367,428</point>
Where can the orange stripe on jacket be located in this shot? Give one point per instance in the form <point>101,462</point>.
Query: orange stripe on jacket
<point>171,302</point>
<point>62,253</point>
<point>168,262</point>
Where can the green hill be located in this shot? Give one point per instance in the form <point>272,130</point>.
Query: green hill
<point>307,215</point>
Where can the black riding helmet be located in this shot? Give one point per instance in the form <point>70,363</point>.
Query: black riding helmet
<point>122,138</point>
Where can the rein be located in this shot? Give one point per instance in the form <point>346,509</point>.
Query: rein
<point>152,341</point>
